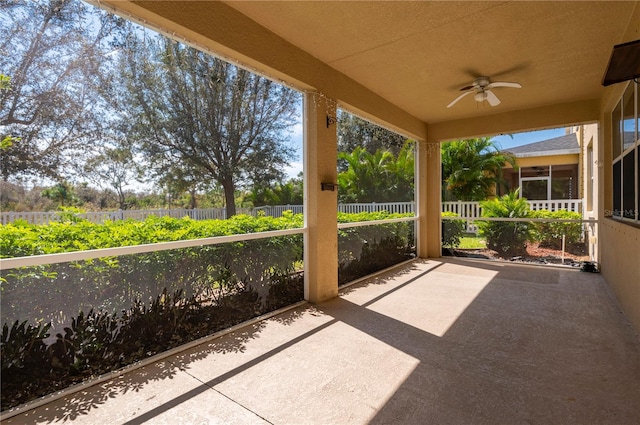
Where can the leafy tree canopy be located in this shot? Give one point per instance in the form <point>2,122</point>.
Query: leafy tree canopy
<point>207,117</point>
<point>354,132</point>
<point>53,53</point>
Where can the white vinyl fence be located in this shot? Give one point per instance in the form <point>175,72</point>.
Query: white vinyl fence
<point>99,217</point>
<point>466,210</point>
<point>472,210</point>
<point>198,214</point>
<point>390,207</point>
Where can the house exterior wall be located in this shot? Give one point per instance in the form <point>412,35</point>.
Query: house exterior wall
<point>512,176</point>
<point>620,262</point>
<point>537,161</point>
<point>589,177</point>
<point>619,242</point>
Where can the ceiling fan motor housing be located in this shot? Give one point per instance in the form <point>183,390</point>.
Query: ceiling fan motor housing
<point>482,87</point>
<point>481,82</point>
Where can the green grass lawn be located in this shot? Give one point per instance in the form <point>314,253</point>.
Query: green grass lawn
<point>472,242</point>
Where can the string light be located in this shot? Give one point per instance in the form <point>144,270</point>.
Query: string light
<point>431,148</point>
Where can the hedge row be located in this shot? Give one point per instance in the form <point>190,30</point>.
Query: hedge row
<point>511,238</point>
<point>21,239</point>
<point>65,322</point>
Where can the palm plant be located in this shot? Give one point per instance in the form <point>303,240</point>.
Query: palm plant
<point>508,238</point>
<point>365,179</point>
<point>377,177</point>
<point>472,168</point>
<point>401,174</point>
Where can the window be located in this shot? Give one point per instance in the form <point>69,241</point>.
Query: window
<point>535,183</point>
<point>549,182</point>
<point>617,130</point>
<point>628,119</point>
<point>628,186</point>
<point>626,156</point>
<point>564,181</point>
<point>535,189</point>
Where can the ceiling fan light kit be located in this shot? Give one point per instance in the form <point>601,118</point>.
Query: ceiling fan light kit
<point>479,97</point>
<point>482,87</point>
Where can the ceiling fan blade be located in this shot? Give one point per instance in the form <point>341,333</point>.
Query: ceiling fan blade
<point>492,98</point>
<point>504,84</point>
<point>466,88</point>
<point>457,99</point>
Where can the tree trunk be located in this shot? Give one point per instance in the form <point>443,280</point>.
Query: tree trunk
<point>192,199</point>
<point>229,196</point>
<point>121,199</point>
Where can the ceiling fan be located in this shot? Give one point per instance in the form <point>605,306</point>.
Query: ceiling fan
<point>482,87</point>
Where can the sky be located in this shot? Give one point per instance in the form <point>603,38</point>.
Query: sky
<point>520,139</point>
<point>295,165</point>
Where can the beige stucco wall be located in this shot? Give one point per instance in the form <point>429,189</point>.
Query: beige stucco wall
<point>551,116</point>
<point>619,243</point>
<point>537,161</point>
<point>588,139</point>
<point>620,262</point>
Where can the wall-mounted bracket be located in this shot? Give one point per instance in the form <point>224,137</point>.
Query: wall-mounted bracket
<point>329,186</point>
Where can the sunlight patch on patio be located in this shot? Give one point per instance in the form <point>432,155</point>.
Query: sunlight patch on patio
<point>434,306</point>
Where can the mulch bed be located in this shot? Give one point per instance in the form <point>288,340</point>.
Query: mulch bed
<point>573,256</point>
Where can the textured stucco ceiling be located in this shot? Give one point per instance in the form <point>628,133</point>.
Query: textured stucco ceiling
<point>418,54</point>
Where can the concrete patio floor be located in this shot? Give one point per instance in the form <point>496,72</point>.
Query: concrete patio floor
<point>432,342</point>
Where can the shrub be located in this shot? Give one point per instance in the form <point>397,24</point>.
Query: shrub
<point>98,342</point>
<point>25,361</point>
<point>549,234</point>
<point>452,230</point>
<point>75,234</point>
<point>508,238</point>
<point>69,214</point>
<point>366,249</point>
<point>89,341</point>
<point>22,345</point>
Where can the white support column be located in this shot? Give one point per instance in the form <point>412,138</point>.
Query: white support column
<point>320,206</point>
<point>549,184</point>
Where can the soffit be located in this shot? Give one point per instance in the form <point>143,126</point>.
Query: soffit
<point>418,54</point>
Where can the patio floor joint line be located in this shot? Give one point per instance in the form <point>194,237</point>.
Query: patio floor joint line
<point>223,394</point>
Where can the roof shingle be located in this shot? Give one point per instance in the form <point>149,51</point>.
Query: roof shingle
<point>567,144</point>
